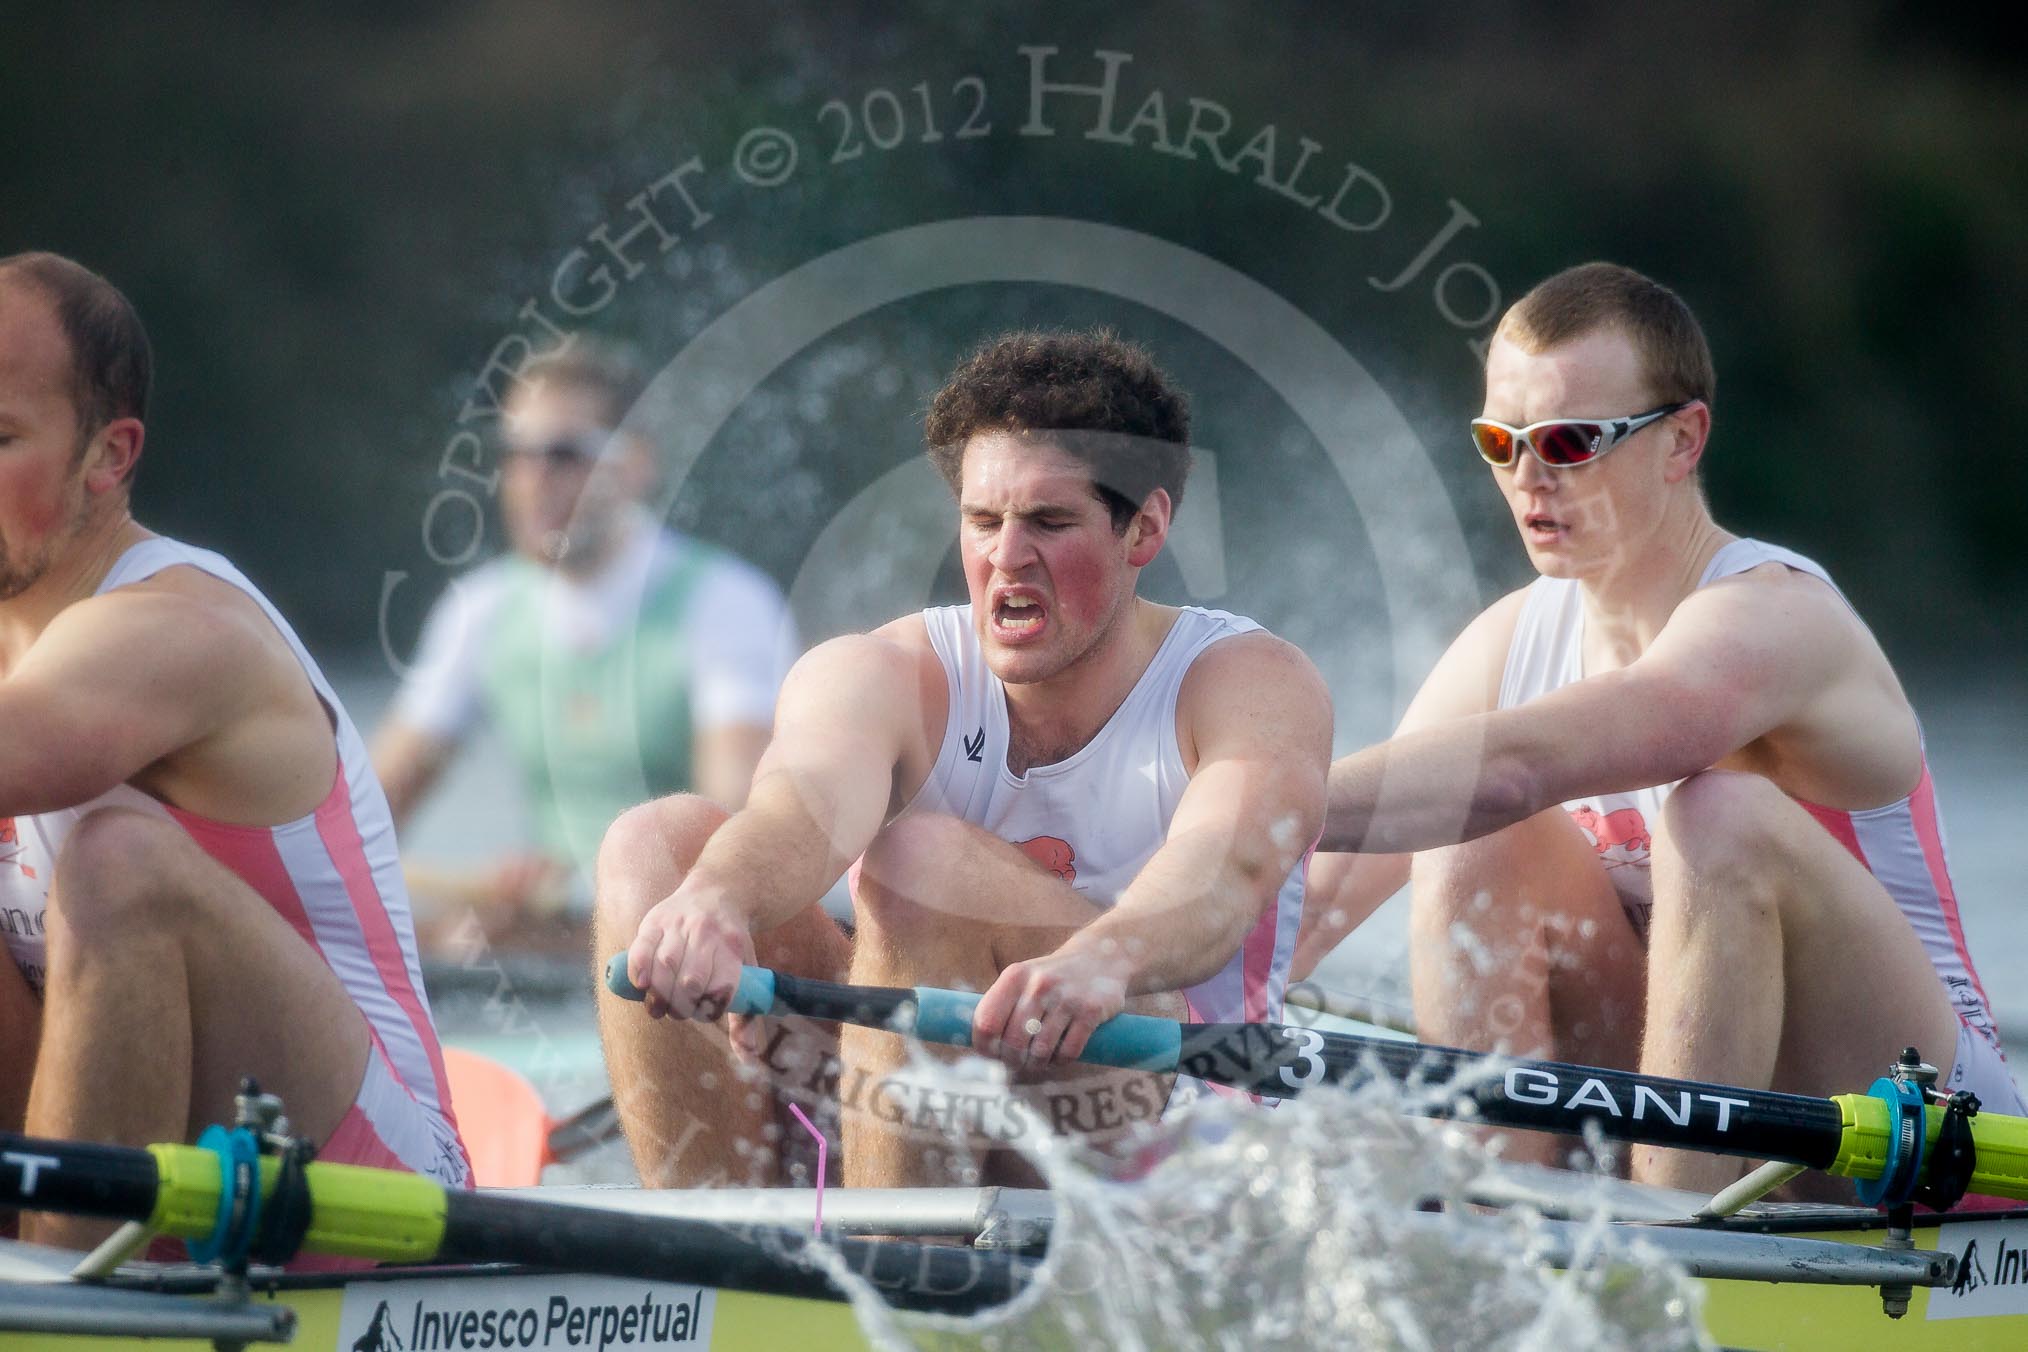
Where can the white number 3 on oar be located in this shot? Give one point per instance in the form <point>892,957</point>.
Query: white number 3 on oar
<point>1309,1067</point>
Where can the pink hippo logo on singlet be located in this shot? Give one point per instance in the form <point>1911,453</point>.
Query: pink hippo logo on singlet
<point>10,847</point>
<point>1053,854</point>
<point>1622,827</point>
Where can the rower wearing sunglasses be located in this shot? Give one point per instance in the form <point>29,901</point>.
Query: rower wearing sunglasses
<point>1667,807</point>
<point>615,658</point>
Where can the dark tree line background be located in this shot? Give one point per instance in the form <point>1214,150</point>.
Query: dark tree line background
<point>330,216</point>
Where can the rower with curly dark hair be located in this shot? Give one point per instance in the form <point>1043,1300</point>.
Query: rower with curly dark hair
<point>1062,794</point>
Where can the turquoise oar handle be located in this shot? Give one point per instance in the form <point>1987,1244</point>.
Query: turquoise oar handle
<point>1134,1041</point>
<point>755,993</point>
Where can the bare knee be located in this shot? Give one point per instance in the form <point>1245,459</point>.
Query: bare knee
<point>904,933</point>
<point>1463,884</point>
<point>1721,821</point>
<point>112,872</point>
<point>1720,831</point>
<point>646,852</point>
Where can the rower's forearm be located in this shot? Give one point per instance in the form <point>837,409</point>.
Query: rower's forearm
<point>776,856</point>
<point>1183,918</point>
<point>1424,790</point>
<point>770,876</point>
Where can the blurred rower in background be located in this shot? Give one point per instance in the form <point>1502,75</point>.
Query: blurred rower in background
<point>617,659</point>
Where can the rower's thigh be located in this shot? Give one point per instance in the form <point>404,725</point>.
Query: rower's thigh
<point>20,1038</point>
<point>262,1001</point>
<point>1523,913</point>
<point>1857,984</point>
<point>951,867</point>
<point>940,883</point>
<point>928,873</point>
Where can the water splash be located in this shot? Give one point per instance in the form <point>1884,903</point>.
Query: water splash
<point>1307,1226</point>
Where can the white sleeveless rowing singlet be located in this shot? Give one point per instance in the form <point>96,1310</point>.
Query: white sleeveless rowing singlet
<point>1900,843</point>
<point>1095,818</point>
<point>334,875</point>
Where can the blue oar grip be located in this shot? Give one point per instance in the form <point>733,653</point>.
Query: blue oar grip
<point>618,982</point>
<point>944,1016</point>
<point>1137,1042</point>
<point>755,993</point>
<point>1133,1041</point>
<point>1902,1172</point>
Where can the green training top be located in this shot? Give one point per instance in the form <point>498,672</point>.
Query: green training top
<point>599,730</point>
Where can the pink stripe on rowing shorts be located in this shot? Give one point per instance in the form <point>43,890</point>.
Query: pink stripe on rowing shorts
<point>1839,824</point>
<point>823,1150</point>
<point>341,838</point>
<point>1929,838</point>
<point>250,853</point>
<point>1258,964</point>
<point>1901,844</point>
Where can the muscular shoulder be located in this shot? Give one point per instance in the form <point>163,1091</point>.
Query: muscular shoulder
<point>894,652</point>
<point>129,681</point>
<point>888,679</point>
<point>1251,682</point>
<point>1255,655</point>
<point>1768,614</point>
<point>180,616</point>
<point>1772,585</point>
<point>894,664</point>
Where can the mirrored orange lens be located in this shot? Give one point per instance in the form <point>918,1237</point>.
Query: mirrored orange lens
<point>1570,443</point>
<point>1496,444</point>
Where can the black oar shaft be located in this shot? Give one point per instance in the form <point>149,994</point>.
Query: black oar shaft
<point>1855,1135</point>
<point>1281,1061</point>
<point>868,1006</point>
<point>115,1182</point>
<point>1534,1095</point>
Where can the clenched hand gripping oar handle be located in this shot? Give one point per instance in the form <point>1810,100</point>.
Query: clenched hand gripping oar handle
<point>1131,1041</point>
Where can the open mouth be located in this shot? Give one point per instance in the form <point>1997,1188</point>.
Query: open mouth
<point>1018,616</point>
<point>1538,524</point>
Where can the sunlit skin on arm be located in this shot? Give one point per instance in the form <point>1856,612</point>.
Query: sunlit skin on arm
<point>847,713</point>
<point>1257,717</point>
<point>80,716</point>
<point>1735,662</point>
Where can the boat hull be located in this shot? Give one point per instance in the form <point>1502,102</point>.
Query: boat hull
<point>423,1310</point>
